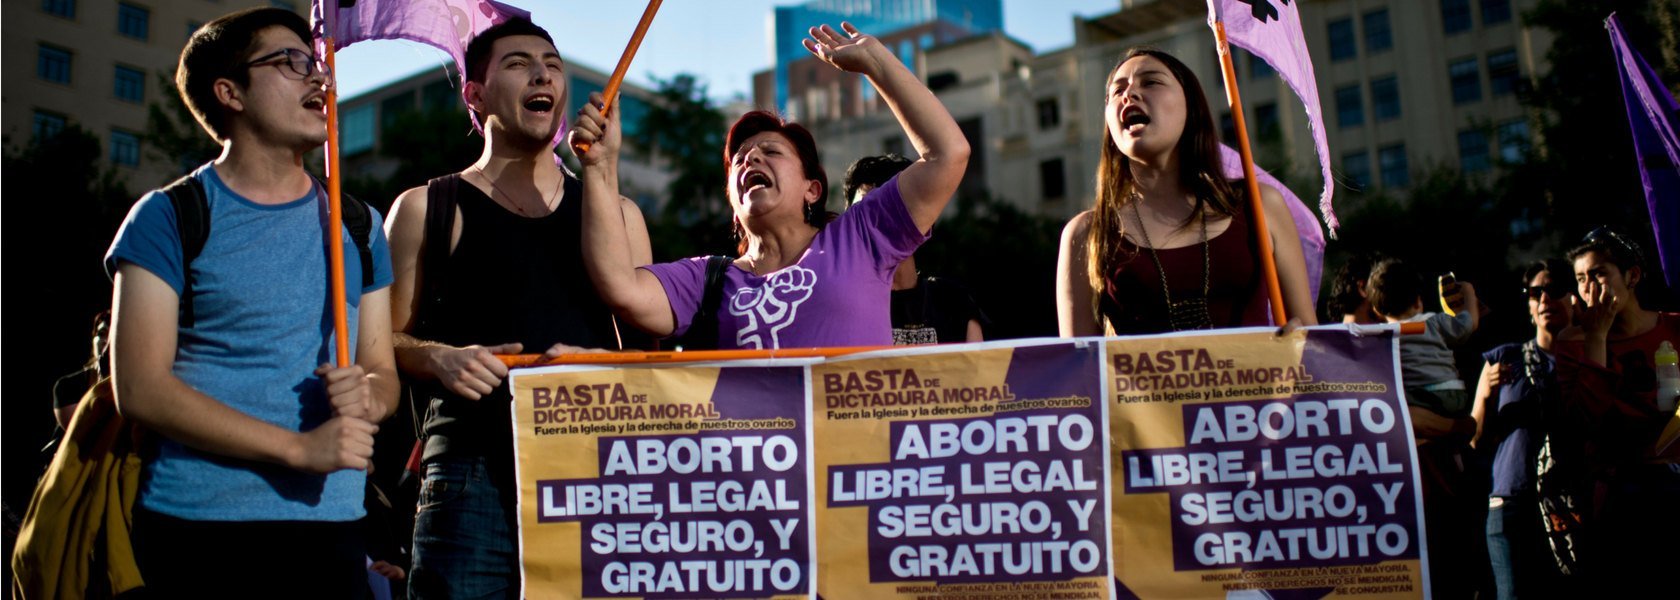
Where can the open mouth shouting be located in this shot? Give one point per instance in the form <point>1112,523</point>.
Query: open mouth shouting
<point>540,103</point>
<point>316,102</point>
<point>751,179</point>
<point>1133,120</point>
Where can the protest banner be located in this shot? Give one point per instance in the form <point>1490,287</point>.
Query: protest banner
<point>1251,462</point>
<point>1207,465</point>
<point>972,473</point>
<point>680,482</point>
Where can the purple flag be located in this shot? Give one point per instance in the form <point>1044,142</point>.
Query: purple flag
<point>1306,223</point>
<point>444,24</point>
<point>1652,113</point>
<point>1271,30</point>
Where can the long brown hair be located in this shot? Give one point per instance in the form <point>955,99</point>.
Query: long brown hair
<point>1200,170</point>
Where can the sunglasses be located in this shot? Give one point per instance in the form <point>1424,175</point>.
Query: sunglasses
<point>1557,290</point>
<point>1606,235</point>
<point>300,63</point>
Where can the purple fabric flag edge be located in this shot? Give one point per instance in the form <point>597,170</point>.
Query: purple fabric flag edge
<point>1306,223</point>
<point>1649,104</point>
<point>1292,61</point>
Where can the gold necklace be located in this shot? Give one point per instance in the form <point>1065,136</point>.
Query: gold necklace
<point>548,201</point>
<point>1187,313</point>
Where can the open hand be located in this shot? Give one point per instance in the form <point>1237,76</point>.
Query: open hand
<point>853,52</point>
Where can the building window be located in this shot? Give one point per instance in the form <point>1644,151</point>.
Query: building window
<point>1502,72</point>
<point>926,41</point>
<point>130,85</point>
<point>1472,151</point>
<point>1052,182</point>
<point>356,130</point>
<point>1466,78</point>
<point>1377,36</point>
<point>1356,166</point>
<point>60,8</point>
<point>1455,16</point>
<point>866,91</point>
<point>906,53</point>
<point>1350,107</point>
<point>1513,141</point>
<point>47,124</point>
<point>1495,11</point>
<point>133,21</point>
<point>893,145</point>
<point>52,64</point>
<point>1266,120</point>
<point>125,148</point>
<point>1049,113</point>
<point>396,106</point>
<point>1343,46</point>
<point>1392,161</point>
<point>1385,99</point>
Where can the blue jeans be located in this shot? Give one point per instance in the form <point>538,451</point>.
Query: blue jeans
<point>464,543</point>
<point>1499,554</point>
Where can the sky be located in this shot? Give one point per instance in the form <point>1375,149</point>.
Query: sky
<point>722,41</point>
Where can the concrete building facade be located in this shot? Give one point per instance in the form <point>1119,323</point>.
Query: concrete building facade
<point>99,64</point>
<point>1404,85</point>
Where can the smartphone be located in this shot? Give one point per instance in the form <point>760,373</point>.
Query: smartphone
<point>1447,281</point>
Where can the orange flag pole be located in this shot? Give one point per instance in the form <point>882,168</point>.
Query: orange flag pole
<point>1268,265</point>
<point>335,219</point>
<point>623,64</point>
<point>647,358</point>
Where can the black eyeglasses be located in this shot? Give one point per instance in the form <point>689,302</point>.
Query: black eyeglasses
<point>300,63</point>
<point>1556,289</point>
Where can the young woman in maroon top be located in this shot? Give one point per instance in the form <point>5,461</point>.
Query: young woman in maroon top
<point>1170,243</point>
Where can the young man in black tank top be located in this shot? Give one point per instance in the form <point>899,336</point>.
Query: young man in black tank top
<point>512,281</point>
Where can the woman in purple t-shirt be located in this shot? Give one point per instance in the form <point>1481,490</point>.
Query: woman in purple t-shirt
<point>801,281</point>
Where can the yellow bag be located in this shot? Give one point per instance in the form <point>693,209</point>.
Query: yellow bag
<point>74,542</point>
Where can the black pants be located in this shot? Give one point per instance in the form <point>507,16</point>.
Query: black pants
<point>179,558</point>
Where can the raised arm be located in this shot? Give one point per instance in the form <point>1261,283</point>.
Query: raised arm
<point>143,325</point>
<point>927,185</point>
<point>1074,316</point>
<point>610,249</point>
<point>469,372</point>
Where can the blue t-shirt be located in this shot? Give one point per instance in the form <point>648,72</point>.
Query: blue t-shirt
<point>262,324</point>
<point>1515,421</point>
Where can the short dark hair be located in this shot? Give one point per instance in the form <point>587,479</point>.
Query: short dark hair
<point>761,121</point>
<point>1556,266</point>
<point>478,50</point>
<point>218,50</point>
<point>1615,248</point>
<point>873,171</point>
<point>1346,289</point>
<point>1393,287</point>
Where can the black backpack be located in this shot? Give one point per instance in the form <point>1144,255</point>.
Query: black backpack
<point>192,222</point>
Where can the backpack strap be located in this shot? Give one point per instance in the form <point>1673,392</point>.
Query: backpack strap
<point>703,328</point>
<point>192,224</point>
<point>358,218</point>
<point>434,246</point>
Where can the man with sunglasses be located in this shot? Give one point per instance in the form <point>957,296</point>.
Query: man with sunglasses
<point>256,485</point>
<point>499,271</point>
<point>1515,408</point>
<point>1608,382</point>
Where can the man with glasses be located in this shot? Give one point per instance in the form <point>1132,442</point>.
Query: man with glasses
<point>256,486</point>
<point>489,261</point>
<point>1608,381</point>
